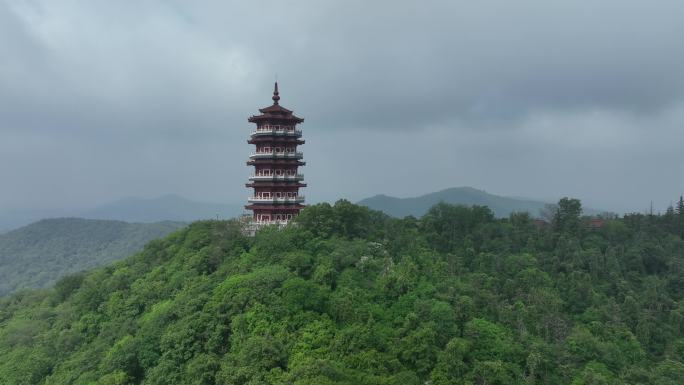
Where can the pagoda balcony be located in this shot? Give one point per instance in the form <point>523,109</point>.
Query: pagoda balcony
<point>277,132</point>
<point>255,225</point>
<point>295,199</point>
<point>273,177</point>
<point>273,154</point>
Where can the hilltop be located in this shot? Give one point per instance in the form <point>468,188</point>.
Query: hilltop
<point>35,256</point>
<point>418,206</point>
<point>351,296</point>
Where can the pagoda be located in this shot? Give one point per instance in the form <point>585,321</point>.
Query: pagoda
<point>276,180</point>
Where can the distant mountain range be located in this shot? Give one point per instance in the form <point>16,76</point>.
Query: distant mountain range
<point>417,206</point>
<point>164,208</point>
<point>177,208</point>
<point>35,256</point>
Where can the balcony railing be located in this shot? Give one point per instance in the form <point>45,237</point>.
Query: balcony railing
<point>273,154</point>
<point>252,225</point>
<point>274,177</point>
<point>279,223</point>
<point>279,132</point>
<point>296,199</point>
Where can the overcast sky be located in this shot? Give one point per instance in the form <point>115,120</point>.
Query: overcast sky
<point>101,100</point>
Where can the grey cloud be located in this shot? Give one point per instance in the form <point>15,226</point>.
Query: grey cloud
<point>103,99</point>
<point>367,64</point>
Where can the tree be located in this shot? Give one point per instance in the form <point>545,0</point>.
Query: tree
<point>446,225</point>
<point>567,217</point>
<point>548,212</point>
<point>679,221</point>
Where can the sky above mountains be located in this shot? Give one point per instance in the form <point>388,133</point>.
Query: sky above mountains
<point>101,100</point>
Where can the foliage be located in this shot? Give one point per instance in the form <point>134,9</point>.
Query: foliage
<point>351,296</point>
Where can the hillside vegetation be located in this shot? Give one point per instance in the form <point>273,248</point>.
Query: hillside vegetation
<point>351,296</point>
<point>37,255</point>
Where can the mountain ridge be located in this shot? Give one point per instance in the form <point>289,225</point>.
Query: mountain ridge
<point>419,205</point>
<point>169,207</point>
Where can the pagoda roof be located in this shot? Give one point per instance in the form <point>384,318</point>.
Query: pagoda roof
<point>275,111</point>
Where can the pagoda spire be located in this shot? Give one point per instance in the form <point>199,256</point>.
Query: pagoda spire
<point>275,94</point>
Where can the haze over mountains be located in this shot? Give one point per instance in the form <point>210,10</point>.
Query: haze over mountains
<point>37,255</point>
<point>417,206</point>
<point>145,210</point>
<point>176,208</point>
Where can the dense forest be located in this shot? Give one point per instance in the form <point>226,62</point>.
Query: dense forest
<point>352,296</point>
<point>37,255</point>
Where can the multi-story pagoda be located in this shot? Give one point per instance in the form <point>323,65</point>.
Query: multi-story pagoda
<point>276,180</point>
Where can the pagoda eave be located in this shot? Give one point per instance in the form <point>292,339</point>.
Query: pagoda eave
<point>277,184</point>
<point>275,162</point>
<point>293,207</point>
<point>274,118</point>
<point>279,139</point>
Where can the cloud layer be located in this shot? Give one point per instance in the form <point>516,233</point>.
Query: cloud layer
<point>100,99</point>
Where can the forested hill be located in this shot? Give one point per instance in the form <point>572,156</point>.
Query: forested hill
<point>418,206</point>
<point>35,256</point>
<point>351,296</point>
